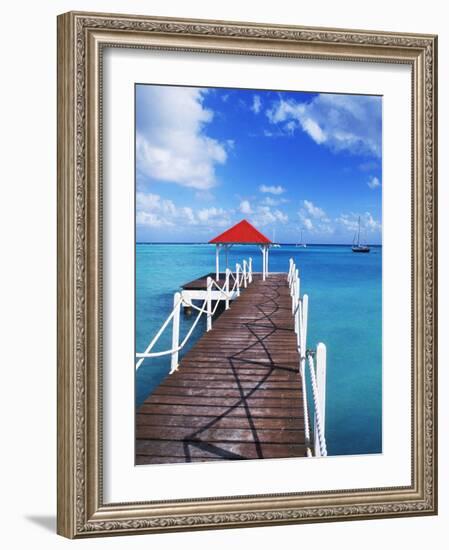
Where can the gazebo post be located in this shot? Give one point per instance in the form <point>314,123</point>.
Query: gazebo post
<point>217,262</point>
<point>263,248</point>
<point>266,260</point>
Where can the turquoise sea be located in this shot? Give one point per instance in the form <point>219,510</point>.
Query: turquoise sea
<point>345,312</point>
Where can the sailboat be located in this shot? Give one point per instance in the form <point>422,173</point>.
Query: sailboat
<point>275,244</point>
<point>301,243</point>
<point>359,247</point>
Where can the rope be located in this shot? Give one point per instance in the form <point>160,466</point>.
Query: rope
<point>319,423</point>
<point>223,292</point>
<point>147,355</point>
<point>305,406</point>
<point>203,309</point>
<point>158,335</point>
<point>189,304</point>
<point>297,309</point>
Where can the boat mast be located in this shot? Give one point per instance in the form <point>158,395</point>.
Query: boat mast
<point>358,236</point>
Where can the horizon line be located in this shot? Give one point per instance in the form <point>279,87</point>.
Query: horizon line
<point>250,244</point>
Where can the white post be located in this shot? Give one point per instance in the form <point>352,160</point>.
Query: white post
<point>292,277</point>
<point>293,293</point>
<point>266,260</point>
<point>305,313</point>
<point>298,283</point>
<point>175,331</point>
<point>296,299</point>
<point>209,304</point>
<point>302,346</point>
<point>244,274</point>
<point>321,385</point>
<point>217,262</point>
<point>227,287</point>
<point>303,309</point>
<point>290,269</point>
<point>250,270</point>
<point>263,263</point>
<point>237,268</point>
<point>297,321</point>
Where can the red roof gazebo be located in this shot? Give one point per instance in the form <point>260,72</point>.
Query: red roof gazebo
<point>241,233</point>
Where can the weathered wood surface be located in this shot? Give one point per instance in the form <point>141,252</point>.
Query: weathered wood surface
<point>237,392</point>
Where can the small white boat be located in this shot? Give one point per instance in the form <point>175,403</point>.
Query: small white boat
<point>357,247</point>
<point>301,244</point>
<point>275,244</point>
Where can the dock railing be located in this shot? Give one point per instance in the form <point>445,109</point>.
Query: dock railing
<point>311,361</point>
<point>242,277</point>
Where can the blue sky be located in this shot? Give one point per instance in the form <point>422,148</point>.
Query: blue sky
<point>286,161</point>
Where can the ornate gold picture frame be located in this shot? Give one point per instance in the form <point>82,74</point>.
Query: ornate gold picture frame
<point>82,40</point>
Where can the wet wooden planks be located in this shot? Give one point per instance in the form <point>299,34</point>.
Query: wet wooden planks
<point>237,392</point>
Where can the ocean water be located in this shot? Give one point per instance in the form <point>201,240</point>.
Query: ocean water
<point>345,313</point>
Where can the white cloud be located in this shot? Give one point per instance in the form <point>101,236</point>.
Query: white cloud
<point>171,143</point>
<point>273,189</point>
<point>313,210</point>
<point>245,207</point>
<point>290,127</point>
<point>269,201</point>
<point>154,211</point>
<point>314,130</point>
<point>373,182</point>
<point>264,215</point>
<point>257,104</point>
<point>349,222</point>
<point>308,224</point>
<point>217,216</point>
<point>341,122</point>
<point>314,219</point>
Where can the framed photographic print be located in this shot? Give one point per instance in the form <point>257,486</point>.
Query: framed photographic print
<point>246,274</point>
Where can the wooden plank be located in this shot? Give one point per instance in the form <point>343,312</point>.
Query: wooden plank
<point>224,450</point>
<point>225,401</point>
<point>225,393</point>
<point>217,411</point>
<point>148,459</point>
<point>219,435</point>
<point>243,371</point>
<point>231,383</point>
<point>239,422</point>
<point>237,393</point>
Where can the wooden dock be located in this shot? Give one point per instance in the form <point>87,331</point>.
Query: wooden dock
<point>237,392</point>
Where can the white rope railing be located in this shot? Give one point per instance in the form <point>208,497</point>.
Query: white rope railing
<point>320,441</point>
<point>317,373</point>
<point>241,277</point>
<point>146,353</point>
<point>301,313</point>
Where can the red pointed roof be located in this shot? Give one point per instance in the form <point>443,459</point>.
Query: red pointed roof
<point>241,233</point>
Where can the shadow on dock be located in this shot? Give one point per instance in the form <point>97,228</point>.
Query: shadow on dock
<point>237,392</point>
